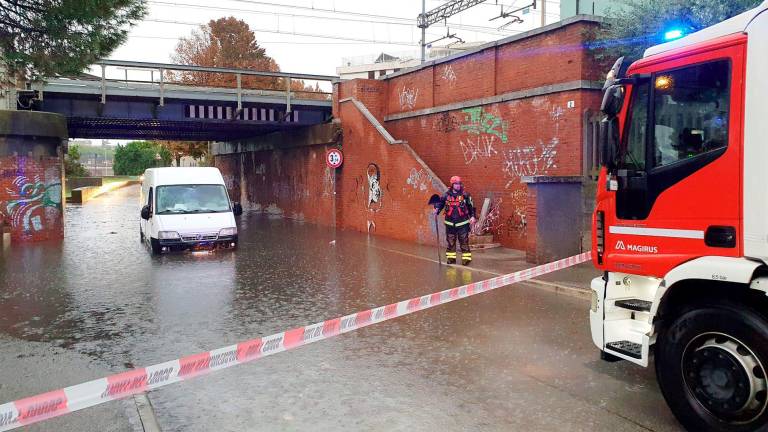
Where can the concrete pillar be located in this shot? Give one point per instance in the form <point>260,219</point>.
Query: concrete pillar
<point>32,147</point>
<point>554,215</point>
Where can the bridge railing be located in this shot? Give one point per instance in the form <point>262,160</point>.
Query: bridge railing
<point>173,79</point>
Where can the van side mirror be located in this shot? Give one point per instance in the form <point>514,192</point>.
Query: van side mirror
<point>145,212</point>
<point>609,142</point>
<point>237,209</point>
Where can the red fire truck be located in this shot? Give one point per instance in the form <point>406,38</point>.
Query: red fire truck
<point>681,222</point>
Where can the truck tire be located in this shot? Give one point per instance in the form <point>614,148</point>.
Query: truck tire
<point>711,367</point>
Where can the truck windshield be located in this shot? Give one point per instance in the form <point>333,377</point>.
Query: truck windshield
<point>183,199</point>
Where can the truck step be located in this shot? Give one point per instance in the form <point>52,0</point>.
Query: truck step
<point>627,348</point>
<point>634,304</point>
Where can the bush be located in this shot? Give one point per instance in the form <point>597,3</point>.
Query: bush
<point>136,156</point>
<point>72,165</point>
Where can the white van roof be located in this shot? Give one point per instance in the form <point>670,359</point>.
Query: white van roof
<point>183,175</point>
<point>737,24</point>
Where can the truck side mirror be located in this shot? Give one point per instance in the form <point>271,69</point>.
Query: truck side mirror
<point>609,142</point>
<point>237,209</point>
<point>613,99</point>
<point>145,212</point>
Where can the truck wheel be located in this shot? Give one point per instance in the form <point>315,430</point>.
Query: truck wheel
<point>711,366</point>
<point>155,245</point>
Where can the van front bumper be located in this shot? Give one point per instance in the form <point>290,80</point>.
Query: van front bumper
<point>223,242</point>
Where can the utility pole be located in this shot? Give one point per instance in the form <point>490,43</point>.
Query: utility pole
<point>426,19</point>
<point>423,32</point>
<point>543,13</point>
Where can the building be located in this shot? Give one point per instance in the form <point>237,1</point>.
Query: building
<point>569,8</point>
<point>375,66</point>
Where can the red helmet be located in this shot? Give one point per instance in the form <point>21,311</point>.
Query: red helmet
<point>455,179</point>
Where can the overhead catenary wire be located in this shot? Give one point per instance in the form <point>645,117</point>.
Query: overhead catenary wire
<point>293,33</point>
<point>369,18</point>
<point>266,42</point>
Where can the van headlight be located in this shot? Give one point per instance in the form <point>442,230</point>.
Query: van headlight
<point>168,235</point>
<point>228,232</point>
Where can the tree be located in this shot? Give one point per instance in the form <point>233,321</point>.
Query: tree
<point>72,165</point>
<point>179,149</point>
<point>640,24</point>
<point>49,37</point>
<point>225,43</point>
<point>136,156</point>
<point>230,43</point>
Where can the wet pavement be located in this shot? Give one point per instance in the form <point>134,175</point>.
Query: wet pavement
<point>518,357</point>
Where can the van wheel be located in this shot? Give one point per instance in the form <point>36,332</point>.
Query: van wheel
<point>155,245</point>
<point>711,367</point>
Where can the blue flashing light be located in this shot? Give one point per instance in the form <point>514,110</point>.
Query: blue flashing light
<point>673,34</point>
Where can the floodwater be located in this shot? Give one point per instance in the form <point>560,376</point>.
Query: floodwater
<point>512,359</point>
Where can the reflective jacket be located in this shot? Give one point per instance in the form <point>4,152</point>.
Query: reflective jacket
<point>458,207</point>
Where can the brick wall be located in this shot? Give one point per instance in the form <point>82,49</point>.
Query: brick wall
<point>492,146</point>
<point>383,188</point>
<point>294,182</point>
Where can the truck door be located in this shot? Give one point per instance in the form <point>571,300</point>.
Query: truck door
<point>679,174</point>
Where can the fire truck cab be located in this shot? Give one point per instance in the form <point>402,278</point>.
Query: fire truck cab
<point>681,222</point>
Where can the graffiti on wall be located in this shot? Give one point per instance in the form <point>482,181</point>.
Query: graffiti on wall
<point>446,122</point>
<point>418,180</point>
<point>516,222</point>
<point>449,76</point>
<point>483,131</point>
<point>329,183</point>
<point>529,160</point>
<point>374,187</point>
<point>229,182</point>
<point>492,222</point>
<point>477,147</point>
<point>537,159</point>
<point>28,198</point>
<point>408,98</point>
<point>477,121</point>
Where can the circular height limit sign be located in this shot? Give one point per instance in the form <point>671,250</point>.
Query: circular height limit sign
<point>334,158</point>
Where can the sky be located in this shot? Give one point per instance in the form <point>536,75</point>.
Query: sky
<point>370,27</point>
<point>313,36</point>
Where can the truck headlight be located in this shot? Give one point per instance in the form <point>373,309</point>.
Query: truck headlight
<point>228,232</point>
<point>168,235</point>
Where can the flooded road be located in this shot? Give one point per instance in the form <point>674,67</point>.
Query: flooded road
<point>514,358</point>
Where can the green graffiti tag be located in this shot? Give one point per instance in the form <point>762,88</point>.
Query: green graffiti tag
<point>477,121</point>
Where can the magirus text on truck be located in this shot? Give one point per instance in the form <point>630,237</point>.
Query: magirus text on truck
<point>681,222</point>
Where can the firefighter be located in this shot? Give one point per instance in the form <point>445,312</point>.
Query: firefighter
<point>459,216</point>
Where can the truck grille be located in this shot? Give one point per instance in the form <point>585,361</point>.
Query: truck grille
<point>198,237</point>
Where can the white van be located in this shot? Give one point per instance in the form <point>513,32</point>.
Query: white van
<point>186,208</point>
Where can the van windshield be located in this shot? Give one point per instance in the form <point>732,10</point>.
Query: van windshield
<point>183,199</point>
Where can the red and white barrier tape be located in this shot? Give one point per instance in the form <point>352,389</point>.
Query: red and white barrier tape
<point>59,402</point>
